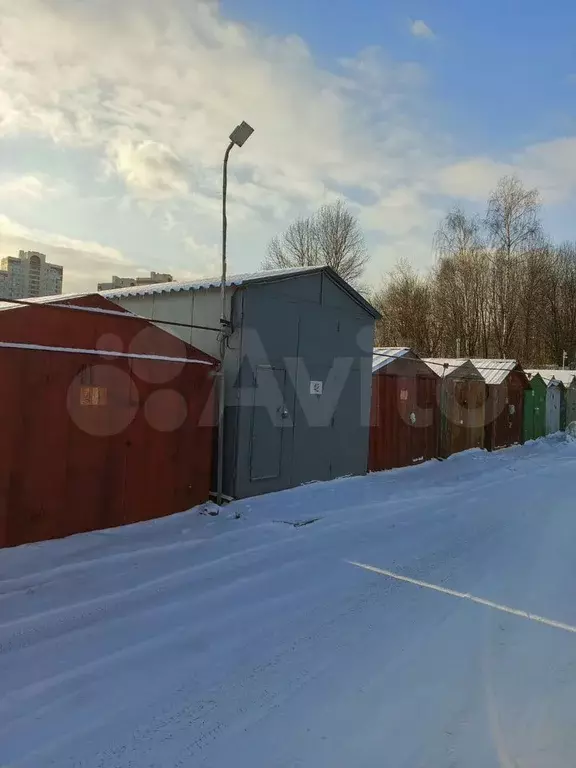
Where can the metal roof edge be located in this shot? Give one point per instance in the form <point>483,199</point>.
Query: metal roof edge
<point>115,310</point>
<point>403,353</point>
<point>453,365</point>
<point>241,281</point>
<point>467,362</point>
<point>352,292</point>
<point>387,355</point>
<point>495,370</point>
<point>210,283</point>
<point>315,270</point>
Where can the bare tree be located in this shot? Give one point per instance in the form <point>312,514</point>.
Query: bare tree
<point>460,285</point>
<point>514,230</point>
<point>406,304</point>
<point>498,288</point>
<point>297,247</point>
<point>332,236</point>
<point>533,280</point>
<point>559,316</point>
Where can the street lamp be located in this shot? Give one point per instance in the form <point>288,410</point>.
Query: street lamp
<point>238,138</point>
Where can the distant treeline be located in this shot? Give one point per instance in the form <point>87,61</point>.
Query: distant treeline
<point>498,288</point>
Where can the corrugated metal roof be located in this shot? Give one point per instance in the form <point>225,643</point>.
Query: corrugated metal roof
<point>566,377</point>
<point>205,283</point>
<point>385,355</point>
<point>494,371</point>
<point>449,366</point>
<point>44,299</point>
<point>263,276</point>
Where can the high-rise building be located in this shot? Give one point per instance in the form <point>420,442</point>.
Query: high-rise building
<point>28,275</point>
<point>130,282</point>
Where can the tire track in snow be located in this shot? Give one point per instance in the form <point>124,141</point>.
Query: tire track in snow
<point>181,609</point>
<point>37,627</point>
<point>197,711</point>
<point>234,695</point>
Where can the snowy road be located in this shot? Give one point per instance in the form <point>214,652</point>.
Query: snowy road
<point>252,643</point>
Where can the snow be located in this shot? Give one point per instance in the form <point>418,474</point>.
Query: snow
<point>258,643</point>
<point>206,283</point>
<point>494,371</point>
<point>383,356</point>
<point>458,367</point>
<point>565,376</point>
<point>52,299</point>
<point>102,353</point>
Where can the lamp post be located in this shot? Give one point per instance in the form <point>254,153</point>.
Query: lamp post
<point>238,138</point>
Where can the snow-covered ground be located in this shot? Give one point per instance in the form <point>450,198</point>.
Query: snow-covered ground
<point>254,643</point>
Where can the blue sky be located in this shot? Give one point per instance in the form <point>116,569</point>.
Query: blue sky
<point>114,116</point>
<point>489,64</point>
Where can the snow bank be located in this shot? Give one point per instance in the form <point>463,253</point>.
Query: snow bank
<point>215,641</point>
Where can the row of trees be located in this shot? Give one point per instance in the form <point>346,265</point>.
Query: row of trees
<point>497,288</point>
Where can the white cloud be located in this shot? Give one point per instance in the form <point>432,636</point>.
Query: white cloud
<point>401,213</point>
<point>472,179</point>
<point>206,259</point>
<point>85,263</point>
<point>174,80</point>
<point>153,89</point>
<point>549,165</point>
<point>419,28</point>
<point>29,187</point>
<point>150,170</point>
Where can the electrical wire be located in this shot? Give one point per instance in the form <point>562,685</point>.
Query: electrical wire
<point>430,361</point>
<point>102,311</point>
<point>105,353</point>
<point>176,324</point>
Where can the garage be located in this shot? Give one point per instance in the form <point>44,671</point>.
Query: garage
<point>405,417</point>
<point>462,404</point>
<point>106,419</point>
<point>506,381</point>
<point>297,369</point>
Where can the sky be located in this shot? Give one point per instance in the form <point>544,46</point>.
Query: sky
<point>114,117</point>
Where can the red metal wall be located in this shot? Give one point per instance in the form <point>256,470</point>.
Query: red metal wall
<point>506,408</point>
<point>463,415</point>
<point>400,389</point>
<point>90,442</point>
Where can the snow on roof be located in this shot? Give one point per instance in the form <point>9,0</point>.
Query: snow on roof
<point>451,365</point>
<point>205,283</point>
<point>6,304</point>
<point>494,371</point>
<point>566,377</point>
<point>550,375</point>
<point>545,375</point>
<point>385,355</point>
<point>103,353</point>
<point>532,374</point>
<point>263,276</point>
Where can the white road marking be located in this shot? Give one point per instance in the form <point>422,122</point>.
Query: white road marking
<point>466,596</point>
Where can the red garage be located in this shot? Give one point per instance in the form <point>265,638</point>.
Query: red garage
<point>506,382</point>
<point>405,415</point>
<point>106,419</point>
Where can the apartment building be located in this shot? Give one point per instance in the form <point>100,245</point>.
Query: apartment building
<point>131,282</point>
<point>28,275</point>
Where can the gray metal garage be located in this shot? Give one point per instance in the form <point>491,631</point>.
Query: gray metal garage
<point>298,370</point>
